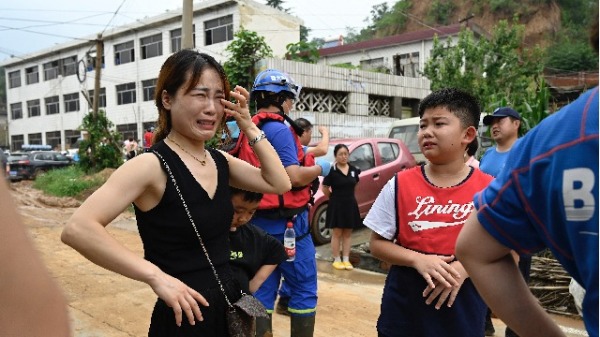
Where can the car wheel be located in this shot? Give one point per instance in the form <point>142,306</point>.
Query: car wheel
<point>37,173</point>
<point>320,233</point>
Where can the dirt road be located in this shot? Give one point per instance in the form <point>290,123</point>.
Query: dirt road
<point>105,304</point>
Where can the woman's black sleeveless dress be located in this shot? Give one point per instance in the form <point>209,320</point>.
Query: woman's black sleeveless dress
<point>342,211</point>
<point>171,244</point>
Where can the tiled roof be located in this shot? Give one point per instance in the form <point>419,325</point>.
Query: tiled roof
<point>392,40</point>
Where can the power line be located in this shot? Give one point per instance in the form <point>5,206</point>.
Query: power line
<point>113,16</point>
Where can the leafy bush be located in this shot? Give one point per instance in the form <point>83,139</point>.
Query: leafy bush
<point>66,182</point>
<point>572,56</point>
<point>441,11</point>
<point>101,149</point>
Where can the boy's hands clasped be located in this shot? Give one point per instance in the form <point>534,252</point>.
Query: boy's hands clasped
<point>443,278</point>
<point>446,293</point>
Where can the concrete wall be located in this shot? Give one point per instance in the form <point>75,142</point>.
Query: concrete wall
<point>358,86</point>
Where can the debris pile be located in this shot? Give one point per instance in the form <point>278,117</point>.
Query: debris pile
<point>550,284</point>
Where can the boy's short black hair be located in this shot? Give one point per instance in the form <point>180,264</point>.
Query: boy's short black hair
<point>304,123</point>
<point>460,103</point>
<point>246,195</point>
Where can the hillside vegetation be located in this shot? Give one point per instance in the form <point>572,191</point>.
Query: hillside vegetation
<point>560,27</point>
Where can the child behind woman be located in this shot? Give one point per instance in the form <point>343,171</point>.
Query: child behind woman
<point>254,253</point>
<point>416,220</point>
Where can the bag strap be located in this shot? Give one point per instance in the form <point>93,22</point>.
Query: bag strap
<point>187,211</point>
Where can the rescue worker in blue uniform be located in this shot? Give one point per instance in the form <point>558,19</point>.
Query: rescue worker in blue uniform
<point>274,94</point>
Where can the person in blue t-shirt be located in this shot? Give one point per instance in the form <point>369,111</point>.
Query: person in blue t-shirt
<point>274,93</point>
<point>504,126</point>
<point>545,197</point>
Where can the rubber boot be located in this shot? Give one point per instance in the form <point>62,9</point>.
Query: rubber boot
<point>303,326</point>
<point>282,306</point>
<point>264,326</point>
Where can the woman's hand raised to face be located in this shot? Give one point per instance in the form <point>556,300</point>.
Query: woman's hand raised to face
<point>239,110</point>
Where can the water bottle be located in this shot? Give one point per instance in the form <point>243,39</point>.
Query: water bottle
<point>289,241</point>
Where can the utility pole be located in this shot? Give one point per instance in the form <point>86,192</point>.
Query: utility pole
<point>186,24</point>
<point>99,53</point>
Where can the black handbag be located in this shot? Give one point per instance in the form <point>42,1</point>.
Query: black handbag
<point>241,314</point>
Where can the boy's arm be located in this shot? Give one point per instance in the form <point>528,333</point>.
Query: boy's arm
<point>321,148</point>
<point>261,275</point>
<point>431,267</point>
<point>497,278</point>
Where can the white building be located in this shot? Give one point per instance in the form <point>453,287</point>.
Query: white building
<point>401,55</point>
<point>46,89</point>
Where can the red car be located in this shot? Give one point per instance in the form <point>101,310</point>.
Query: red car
<point>378,159</point>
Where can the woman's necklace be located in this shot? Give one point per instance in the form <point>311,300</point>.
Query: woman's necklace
<point>203,162</point>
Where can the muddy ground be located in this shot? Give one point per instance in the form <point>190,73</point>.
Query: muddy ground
<point>105,304</point>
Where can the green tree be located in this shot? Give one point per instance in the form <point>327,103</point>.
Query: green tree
<point>303,52</point>
<point>101,148</point>
<point>304,32</point>
<point>571,56</point>
<point>499,71</point>
<point>441,11</point>
<point>277,4</point>
<point>245,50</point>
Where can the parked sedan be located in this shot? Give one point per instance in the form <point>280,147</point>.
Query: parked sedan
<point>378,159</point>
<point>28,165</point>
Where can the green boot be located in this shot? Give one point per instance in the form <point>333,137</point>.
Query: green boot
<point>264,326</point>
<point>303,326</point>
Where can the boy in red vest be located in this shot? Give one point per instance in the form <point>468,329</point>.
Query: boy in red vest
<point>416,220</point>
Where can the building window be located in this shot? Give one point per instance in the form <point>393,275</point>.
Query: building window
<point>124,53</point>
<point>218,30</point>
<point>372,64</point>
<point>52,106</point>
<point>148,87</point>
<point>50,70</point>
<point>407,64</point>
<point>101,98</point>
<point>34,139</point>
<point>16,142</point>
<point>14,79</point>
<point>16,111</point>
<point>90,60</point>
<point>32,75</point>
<point>69,66</point>
<point>71,102</point>
<point>71,138</point>
<point>176,39</point>
<point>151,46</point>
<point>126,93</point>
<point>33,108</point>
<point>53,139</point>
